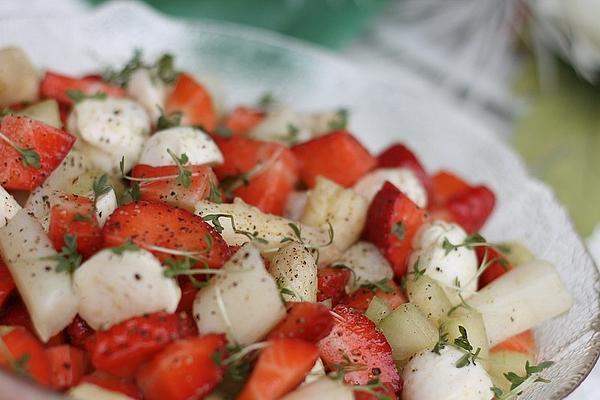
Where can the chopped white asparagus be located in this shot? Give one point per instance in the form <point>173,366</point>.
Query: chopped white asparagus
<point>450,268</point>
<point>109,130</point>
<point>8,207</point>
<point>195,143</point>
<point>294,269</point>
<point>403,178</point>
<point>45,111</point>
<point>47,293</point>
<point>89,391</point>
<point>367,263</point>
<point>74,165</point>
<point>431,376</point>
<point>344,209</point>
<point>323,388</point>
<point>114,287</point>
<point>521,299</point>
<point>241,301</point>
<point>270,229</point>
<point>106,204</point>
<point>19,80</point>
<point>149,91</point>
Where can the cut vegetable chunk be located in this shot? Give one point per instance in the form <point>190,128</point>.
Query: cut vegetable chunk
<point>306,321</point>
<point>8,207</point>
<point>48,294</point>
<point>26,356</point>
<point>322,388</point>
<point>429,297</point>
<point>30,150</point>
<point>56,86</point>
<point>400,156</point>
<point>295,270</point>
<point>195,103</point>
<point>337,156</point>
<point>18,77</point>
<point>280,368</point>
<point>242,119</point>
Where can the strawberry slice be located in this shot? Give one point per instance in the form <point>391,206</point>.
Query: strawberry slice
<point>36,139</point>
<point>243,119</point>
<point>68,364</point>
<point>263,174</point>
<point>150,224</point>
<point>56,86</point>
<point>188,295</point>
<point>381,393</point>
<point>123,348</point>
<point>337,156</point>
<point>185,369</point>
<point>357,344</point>
<point>444,185</point>
<point>331,283</point>
<point>79,332</point>
<point>524,343</point>
<point>392,222</point>
<point>472,207</point>
<point>76,216</point>
<point>114,384</point>
<point>172,192</point>
<point>496,269</point>
<point>398,155</point>
<point>306,321</point>
<point>361,298</point>
<point>191,99</point>
<point>16,314</point>
<point>7,285</point>
<point>27,355</point>
<point>280,368</point>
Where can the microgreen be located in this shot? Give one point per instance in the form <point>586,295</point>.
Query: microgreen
<point>214,220</point>
<point>340,121</point>
<point>68,259</point>
<point>184,177</point>
<point>520,383</point>
<point>100,187</point>
<point>77,96</point>
<point>127,246</point>
<point>168,121</point>
<point>266,100</point>
<point>29,157</point>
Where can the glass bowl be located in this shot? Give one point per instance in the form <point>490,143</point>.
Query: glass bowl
<point>240,64</point>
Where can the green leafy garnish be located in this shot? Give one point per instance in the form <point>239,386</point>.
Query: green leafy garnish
<point>184,177</point>
<point>100,186</point>
<point>266,100</point>
<point>291,137</point>
<point>399,230</point>
<point>68,259</point>
<point>168,121</point>
<point>82,218</point>
<point>214,220</point>
<point>469,242</point>
<point>520,383</point>
<point>382,285</point>
<point>340,122</point>
<point>29,157</point>
<point>127,246</point>
<point>165,68</point>
<point>78,96</point>
<point>215,193</point>
<point>461,343</point>
<point>122,77</point>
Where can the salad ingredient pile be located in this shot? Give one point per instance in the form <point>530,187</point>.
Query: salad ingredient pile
<point>153,246</point>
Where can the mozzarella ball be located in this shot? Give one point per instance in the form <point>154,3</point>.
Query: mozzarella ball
<point>149,91</point>
<point>115,287</point>
<point>367,263</point>
<point>403,178</point>
<point>448,268</point>
<point>197,146</point>
<point>432,376</point>
<point>8,207</point>
<point>109,130</point>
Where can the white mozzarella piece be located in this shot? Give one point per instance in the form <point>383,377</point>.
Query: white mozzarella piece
<point>448,268</point>
<point>403,178</point>
<point>112,127</point>
<point>115,287</point>
<point>149,91</point>
<point>47,294</point>
<point>295,269</point>
<point>368,264</point>
<point>105,205</point>
<point>8,207</point>
<point>432,376</point>
<point>242,301</point>
<point>197,145</point>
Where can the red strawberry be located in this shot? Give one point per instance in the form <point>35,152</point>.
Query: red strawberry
<point>185,369</point>
<point>172,192</point>
<point>55,86</point>
<point>75,216</point>
<point>79,332</point>
<point>444,186</point>
<point>471,207</point>
<point>113,383</point>
<point>280,368</point>
<point>188,295</point>
<point>7,285</point>
<point>337,156</point>
<point>193,100</point>
<point>28,355</point>
<point>123,348</point>
<point>383,393</point>
<point>306,321</point>
<point>150,224</point>
<point>67,366</point>
<point>498,268</point>
<point>356,339</point>
<point>17,315</point>
<point>50,144</point>
<point>331,283</point>
<point>361,298</point>
<point>398,155</point>
<point>242,119</point>
<point>392,222</point>
<point>272,169</point>
<point>524,343</point>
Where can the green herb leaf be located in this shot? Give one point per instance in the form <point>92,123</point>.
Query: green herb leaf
<point>214,220</point>
<point>82,218</point>
<point>215,193</point>
<point>266,100</point>
<point>168,121</point>
<point>122,77</point>
<point>399,230</point>
<point>127,246</point>
<point>340,122</point>
<point>78,96</point>
<point>68,259</point>
<point>185,176</point>
<point>382,285</point>
<point>165,68</point>
<point>100,186</point>
<point>29,157</point>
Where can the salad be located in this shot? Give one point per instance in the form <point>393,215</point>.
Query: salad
<point>155,245</point>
